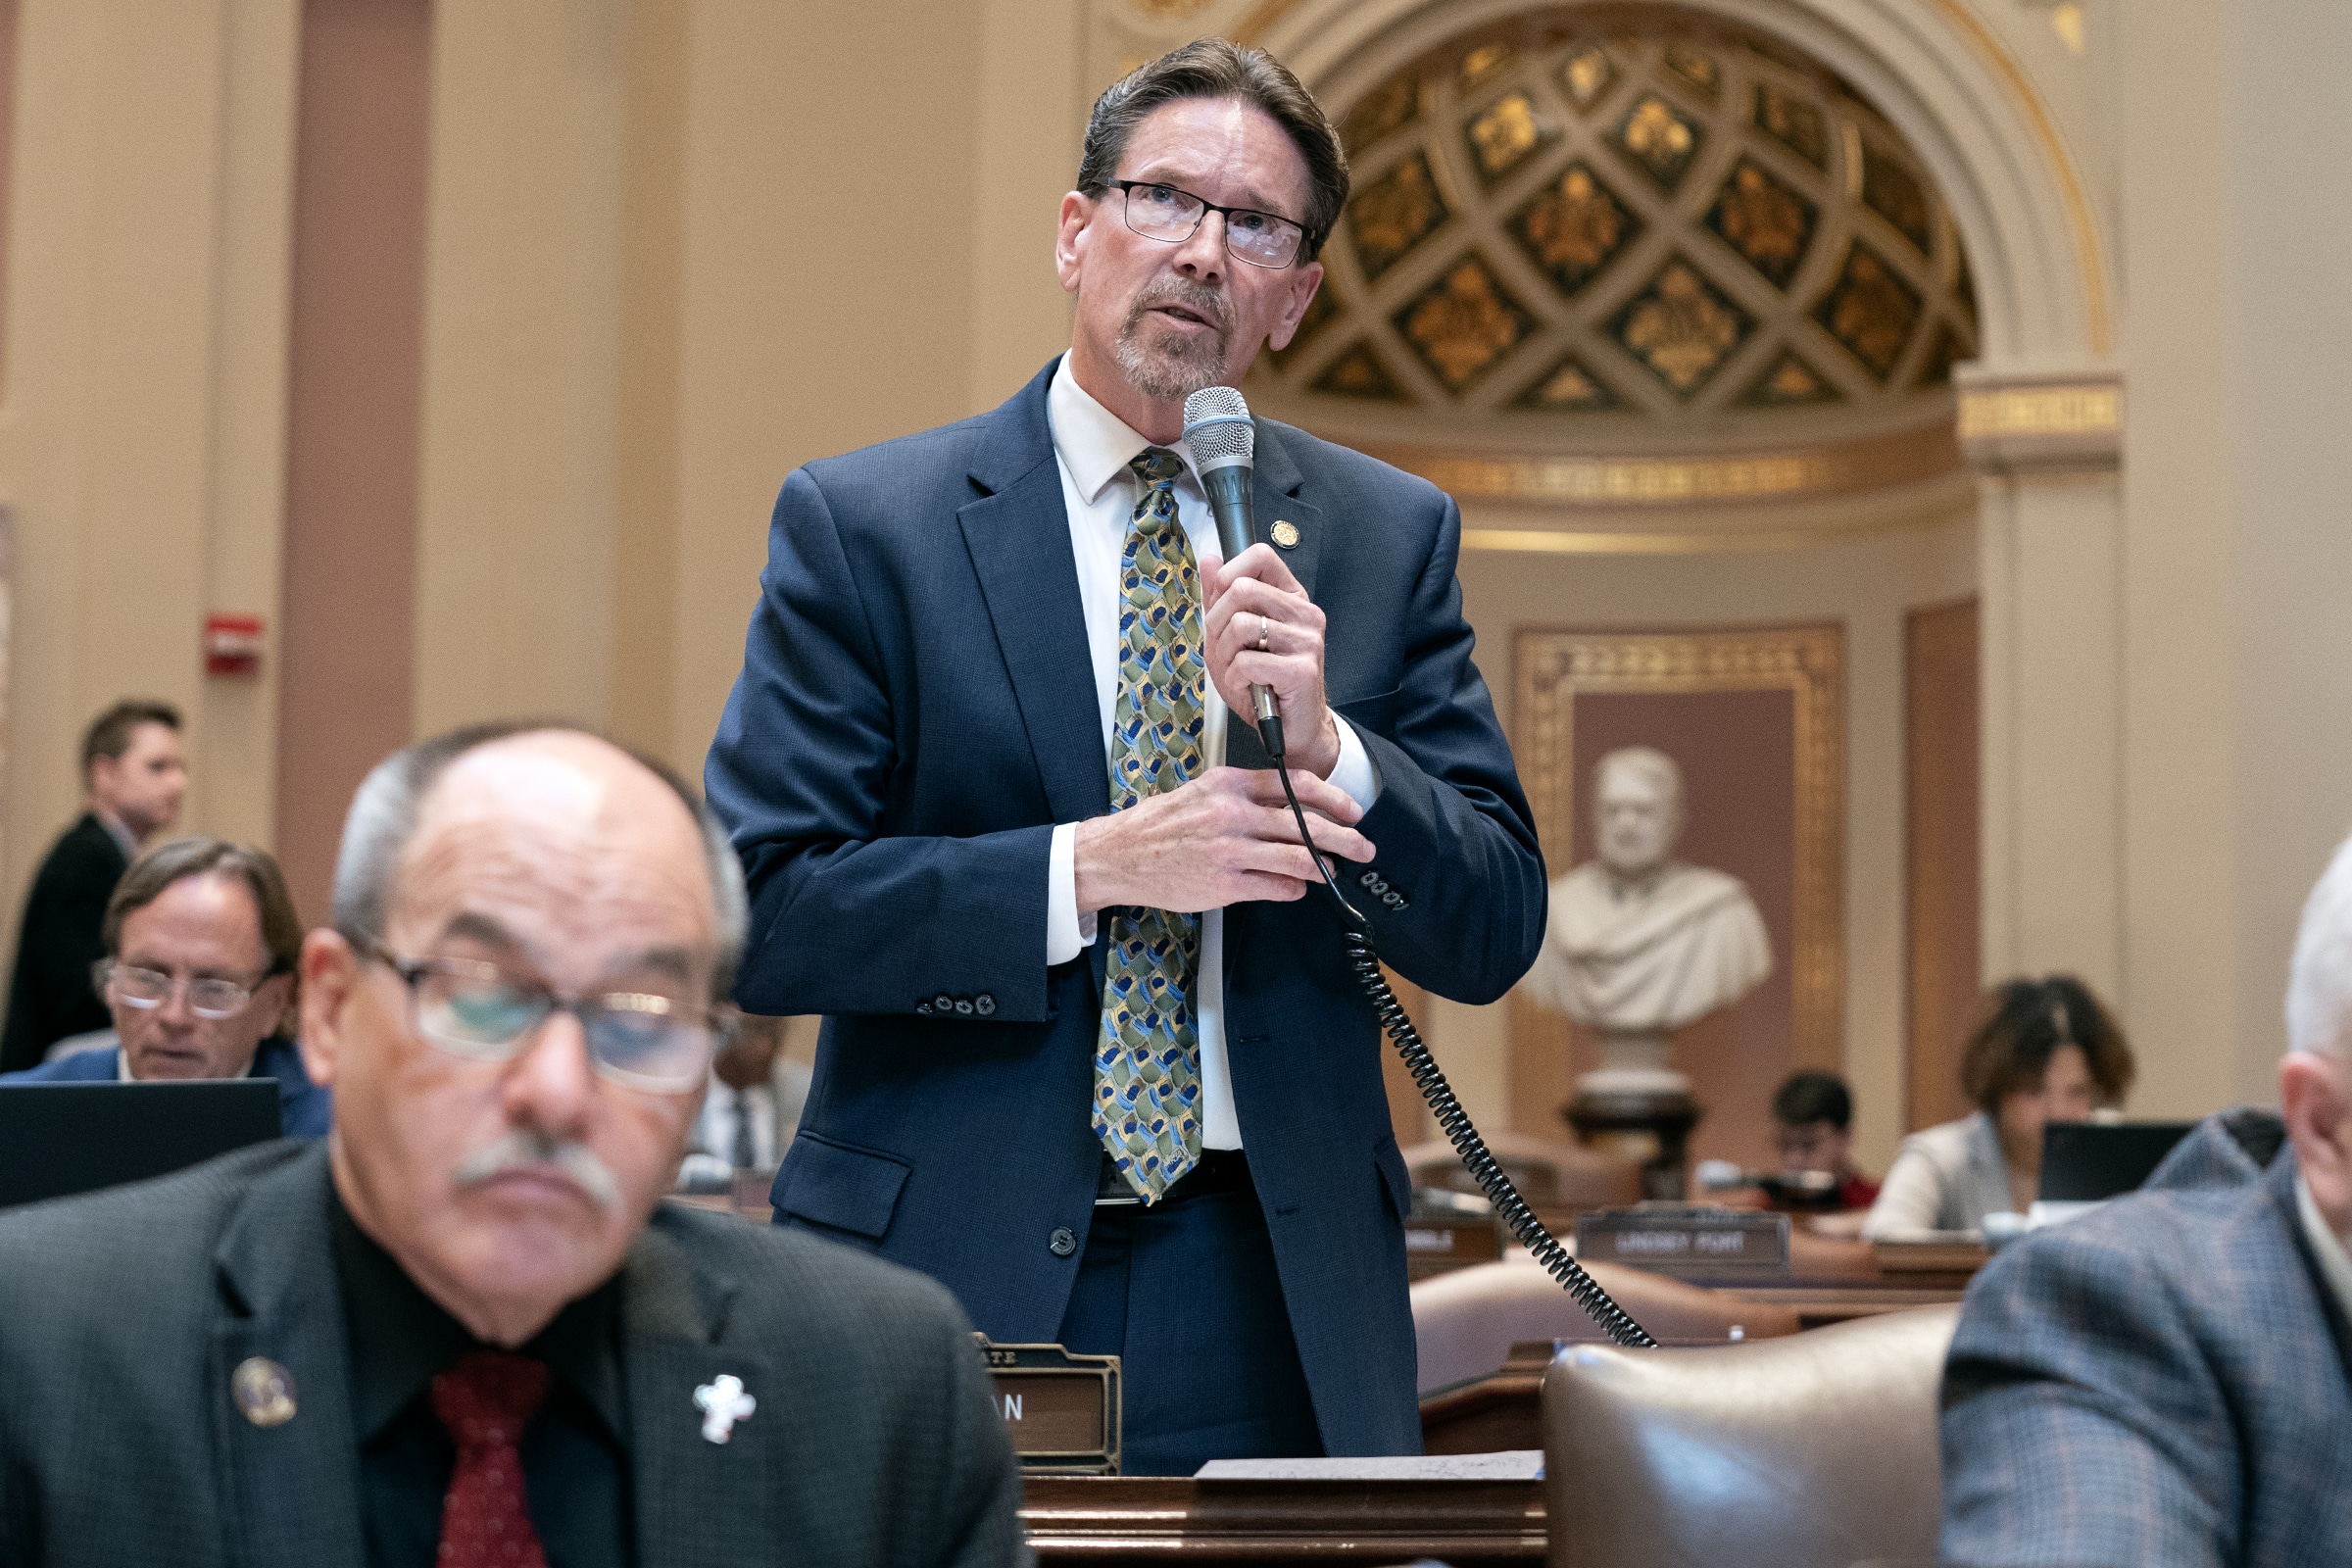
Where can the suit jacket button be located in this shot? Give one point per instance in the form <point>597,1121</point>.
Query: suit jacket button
<point>1063,1242</point>
<point>984,1004</point>
<point>943,1003</point>
<point>963,1006</point>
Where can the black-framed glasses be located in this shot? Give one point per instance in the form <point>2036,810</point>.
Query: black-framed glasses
<point>149,989</point>
<point>1157,209</point>
<point>474,1009</point>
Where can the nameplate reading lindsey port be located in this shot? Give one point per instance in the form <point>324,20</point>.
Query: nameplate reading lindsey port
<point>1060,1410</point>
<point>1673,1238</point>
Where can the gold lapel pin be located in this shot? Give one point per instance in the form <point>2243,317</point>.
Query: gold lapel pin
<point>263,1390</point>
<point>1285,534</point>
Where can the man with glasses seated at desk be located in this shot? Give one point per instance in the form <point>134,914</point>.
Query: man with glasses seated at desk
<point>201,944</point>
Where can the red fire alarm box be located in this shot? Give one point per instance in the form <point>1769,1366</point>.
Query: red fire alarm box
<point>232,644</point>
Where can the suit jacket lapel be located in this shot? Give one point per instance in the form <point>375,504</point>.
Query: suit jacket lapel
<point>292,1490</point>
<point>1018,533</point>
<point>1275,499</point>
<point>698,1501</point>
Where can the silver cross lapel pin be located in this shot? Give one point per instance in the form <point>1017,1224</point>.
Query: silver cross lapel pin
<point>722,1403</point>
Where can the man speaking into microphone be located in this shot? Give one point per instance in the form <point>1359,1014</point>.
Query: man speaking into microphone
<point>1093,1053</point>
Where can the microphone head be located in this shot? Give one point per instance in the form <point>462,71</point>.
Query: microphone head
<point>1217,421</point>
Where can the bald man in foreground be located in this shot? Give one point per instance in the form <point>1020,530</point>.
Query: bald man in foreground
<point>2166,1381</point>
<point>459,1332</point>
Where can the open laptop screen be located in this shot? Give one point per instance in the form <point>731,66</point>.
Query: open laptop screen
<point>60,1138</point>
<point>2084,1161</point>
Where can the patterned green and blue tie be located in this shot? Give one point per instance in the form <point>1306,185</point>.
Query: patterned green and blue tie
<point>1147,1064</point>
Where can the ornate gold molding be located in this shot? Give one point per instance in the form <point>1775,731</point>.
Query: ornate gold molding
<point>2063,409</point>
<point>1833,469</point>
<point>1634,541</point>
<point>2048,423</point>
<point>1551,668</point>
<point>2090,254</point>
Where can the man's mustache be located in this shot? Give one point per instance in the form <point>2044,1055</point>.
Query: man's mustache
<point>523,1149</point>
<point>1199,298</point>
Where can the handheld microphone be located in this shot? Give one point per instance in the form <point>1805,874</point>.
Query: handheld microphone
<point>1224,442</point>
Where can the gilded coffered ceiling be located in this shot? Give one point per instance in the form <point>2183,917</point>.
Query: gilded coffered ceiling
<point>1593,228</point>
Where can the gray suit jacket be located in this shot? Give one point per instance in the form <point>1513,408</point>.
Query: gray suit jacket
<point>122,1314</point>
<point>2162,1381</point>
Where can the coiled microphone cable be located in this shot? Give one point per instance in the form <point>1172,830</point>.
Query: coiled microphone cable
<point>1476,1159</point>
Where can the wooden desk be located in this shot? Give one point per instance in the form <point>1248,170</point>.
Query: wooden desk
<point>1078,1520</point>
<point>1818,1306</point>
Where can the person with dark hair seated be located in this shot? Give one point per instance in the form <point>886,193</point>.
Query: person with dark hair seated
<point>201,945</point>
<point>2047,1052</point>
<point>1815,1113</point>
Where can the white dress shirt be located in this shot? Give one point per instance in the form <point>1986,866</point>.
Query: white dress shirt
<point>1093,447</point>
<point>2335,1265</point>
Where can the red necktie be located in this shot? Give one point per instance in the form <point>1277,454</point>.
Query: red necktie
<point>485,1400</point>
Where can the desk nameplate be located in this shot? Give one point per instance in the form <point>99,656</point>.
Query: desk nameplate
<point>1060,1411</point>
<point>1435,1244</point>
<point>1739,1244</point>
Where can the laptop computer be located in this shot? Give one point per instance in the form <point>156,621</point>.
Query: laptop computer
<point>60,1138</point>
<point>2084,1161</point>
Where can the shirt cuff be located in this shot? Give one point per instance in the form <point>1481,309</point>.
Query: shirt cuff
<point>1069,931</point>
<point>1354,775</point>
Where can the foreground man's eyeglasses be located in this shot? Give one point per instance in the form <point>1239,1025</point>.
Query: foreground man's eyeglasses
<point>1165,212</point>
<point>474,1009</point>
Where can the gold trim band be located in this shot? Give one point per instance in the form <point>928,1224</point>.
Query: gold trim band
<point>2081,410</point>
<point>1563,542</point>
<point>1872,463</point>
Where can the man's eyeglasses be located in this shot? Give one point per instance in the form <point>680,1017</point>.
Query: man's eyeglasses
<point>1159,211</point>
<point>149,989</point>
<point>641,1040</point>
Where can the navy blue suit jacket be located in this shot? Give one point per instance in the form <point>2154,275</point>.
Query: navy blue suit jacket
<point>303,1109</point>
<point>916,712</point>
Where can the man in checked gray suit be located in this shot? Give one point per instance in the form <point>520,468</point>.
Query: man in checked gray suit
<point>458,1332</point>
<point>2166,1380</point>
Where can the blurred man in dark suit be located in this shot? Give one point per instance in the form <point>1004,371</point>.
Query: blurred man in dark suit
<point>2169,1380</point>
<point>1095,1052</point>
<point>201,944</point>
<point>135,774</point>
<point>456,1332</point>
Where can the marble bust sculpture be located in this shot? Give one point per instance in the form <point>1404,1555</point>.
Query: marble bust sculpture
<point>1638,945</point>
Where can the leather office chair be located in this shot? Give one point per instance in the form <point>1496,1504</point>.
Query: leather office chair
<point>1547,1172</point>
<point>1466,1322</point>
<point>1813,1452</point>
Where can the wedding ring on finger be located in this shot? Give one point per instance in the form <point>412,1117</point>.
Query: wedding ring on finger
<point>1264,627</point>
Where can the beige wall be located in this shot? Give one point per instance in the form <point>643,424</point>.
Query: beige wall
<point>2239,769</point>
<point>141,441</point>
<point>849,274</point>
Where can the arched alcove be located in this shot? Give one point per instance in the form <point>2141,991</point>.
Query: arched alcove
<point>1633,265</point>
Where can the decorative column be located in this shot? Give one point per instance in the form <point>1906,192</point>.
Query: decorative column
<point>2045,447</point>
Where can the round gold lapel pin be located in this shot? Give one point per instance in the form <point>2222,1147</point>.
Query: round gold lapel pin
<point>1285,534</point>
<point>263,1390</point>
